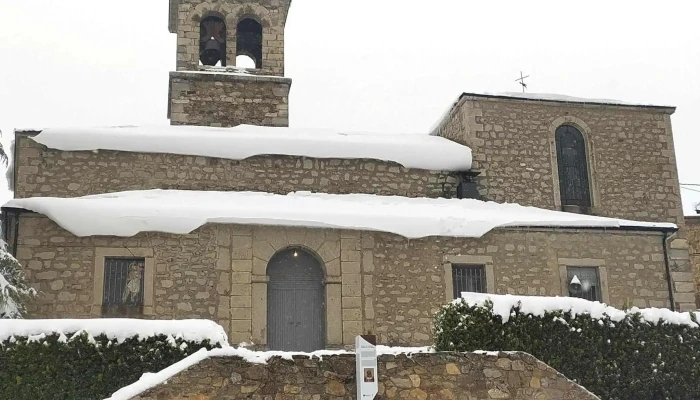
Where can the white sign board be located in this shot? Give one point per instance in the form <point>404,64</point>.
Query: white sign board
<point>366,367</point>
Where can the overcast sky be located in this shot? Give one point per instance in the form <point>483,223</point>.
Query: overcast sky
<point>371,65</point>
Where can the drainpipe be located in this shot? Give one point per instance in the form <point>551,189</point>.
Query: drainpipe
<point>668,272</point>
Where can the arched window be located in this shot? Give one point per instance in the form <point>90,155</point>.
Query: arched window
<point>212,41</point>
<point>573,167</point>
<point>249,40</point>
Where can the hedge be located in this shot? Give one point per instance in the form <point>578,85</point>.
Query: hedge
<point>615,358</point>
<point>83,367</point>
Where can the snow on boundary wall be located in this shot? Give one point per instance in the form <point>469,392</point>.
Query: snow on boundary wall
<point>126,214</point>
<point>543,97</point>
<point>539,305</point>
<point>150,380</point>
<point>119,329</point>
<point>419,151</point>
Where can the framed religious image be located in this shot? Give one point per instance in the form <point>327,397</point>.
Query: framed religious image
<point>369,375</point>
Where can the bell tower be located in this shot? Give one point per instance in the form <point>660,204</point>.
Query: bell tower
<point>208,88</point>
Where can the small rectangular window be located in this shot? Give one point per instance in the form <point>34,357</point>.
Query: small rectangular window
<point>468,278</point>
<point>584,283</point>
<point>123,287</point>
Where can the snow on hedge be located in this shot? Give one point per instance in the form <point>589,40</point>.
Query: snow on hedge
<point>115,328</point>
<point>410,150</point>
<point>180,212</point>
<point>538,306</point>
<point>150,380</point>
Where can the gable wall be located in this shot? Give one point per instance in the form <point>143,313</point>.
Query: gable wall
<point>43,172</point>
<point>375,282</point>
<point>631,154</point>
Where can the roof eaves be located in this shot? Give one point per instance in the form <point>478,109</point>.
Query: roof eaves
<point>667,109</point>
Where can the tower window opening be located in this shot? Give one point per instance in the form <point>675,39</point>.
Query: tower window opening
<point>212,41</point>
<point>244,61</point>
<point>249,39</point>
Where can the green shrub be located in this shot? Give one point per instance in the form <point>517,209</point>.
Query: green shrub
<point>83,368</point>
<point>623,358</point>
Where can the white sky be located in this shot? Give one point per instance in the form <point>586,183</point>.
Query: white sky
<point>368,65</point>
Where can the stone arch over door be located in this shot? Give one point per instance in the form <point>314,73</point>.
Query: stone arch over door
<point>324,244</point>
<point>296,302</point>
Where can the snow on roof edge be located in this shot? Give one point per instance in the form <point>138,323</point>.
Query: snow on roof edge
<point>419,151</point>
<point>126,214</point>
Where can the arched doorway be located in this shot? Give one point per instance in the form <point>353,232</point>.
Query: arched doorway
<point>296,302</point>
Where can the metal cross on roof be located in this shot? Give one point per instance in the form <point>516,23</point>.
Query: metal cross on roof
<point>521,81</point>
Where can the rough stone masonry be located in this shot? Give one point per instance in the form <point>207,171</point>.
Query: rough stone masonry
<point>441,376</point>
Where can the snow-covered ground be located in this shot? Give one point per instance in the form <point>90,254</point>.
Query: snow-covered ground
<point>539,305</point>
<point>420,151</point>
<point>180,212</point>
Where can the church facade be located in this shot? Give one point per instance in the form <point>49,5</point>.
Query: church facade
<point>585,172</point>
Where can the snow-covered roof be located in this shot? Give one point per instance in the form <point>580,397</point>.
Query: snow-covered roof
<point>115,328</point>
<point>181,212</point>
<point>410,150</point>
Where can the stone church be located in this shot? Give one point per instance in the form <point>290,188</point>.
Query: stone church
<point>299,240</point>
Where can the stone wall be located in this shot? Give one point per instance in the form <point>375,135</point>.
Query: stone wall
<point>441,376</point>
<point>632,159</point>
<point>272,14</point>
<point>374,282</point>
<point>228,99</point>
<point>692,225</point>
<point>43,172</point>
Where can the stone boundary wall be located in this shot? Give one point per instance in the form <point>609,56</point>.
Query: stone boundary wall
<point>44,172</point>
<point>439,376</point>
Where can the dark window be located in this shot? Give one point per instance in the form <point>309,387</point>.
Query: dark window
<point>249,40</point>
<point>212,41</point>
<point>468,278</point>
<point>123,287</point>
<point>584,283</point>
<point>10,226</point>
<point>573,167</point>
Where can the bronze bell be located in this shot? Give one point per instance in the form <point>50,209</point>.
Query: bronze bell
<point>212,43</point>
<point>211,53</point>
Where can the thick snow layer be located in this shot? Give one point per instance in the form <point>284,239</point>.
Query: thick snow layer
<point>119,329</point>
<point>412,151</point>
<point>538,306</point>
<point>180,212</point>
